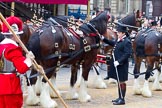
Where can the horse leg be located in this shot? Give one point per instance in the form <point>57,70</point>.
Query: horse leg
<point>160,78</point>
<point>72,94</point>
<point>53,81</point>
<point>23,79</point>
<point>32,98</point>
<point>146,92</point>
<point>156,84</point>
<point>152,78</point>
<point>98,81</point>
<point>79,77</point>
<point>83,95</point>
<point>136,85</point>
<point>45,99</point>
<point>38,85</point>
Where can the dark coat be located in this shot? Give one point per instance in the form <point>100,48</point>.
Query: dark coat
<point>122,52</point>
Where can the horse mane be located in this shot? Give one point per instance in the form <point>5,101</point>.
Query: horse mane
<point>62,20</point>
<point>34,44</point>
<point>129,19</point>
<point>100,22</point>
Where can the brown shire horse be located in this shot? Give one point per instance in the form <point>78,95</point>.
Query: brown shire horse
<point>148,46</point>
<point>53,45</point>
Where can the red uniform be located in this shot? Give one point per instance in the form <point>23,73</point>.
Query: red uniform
<point>10,88</point>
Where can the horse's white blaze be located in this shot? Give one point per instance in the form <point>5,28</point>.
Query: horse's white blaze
<point>52,93</point>
<point>156,85</point>
<point>45,99</point>
<point>32,98</point>
<point>146,92</point>
<point>83,95</point>
<point>72,94</point>
<point>38,84</point>
<point>98,81</point>
<point>136,87</point>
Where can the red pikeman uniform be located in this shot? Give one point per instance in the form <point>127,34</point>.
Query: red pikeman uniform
<point>13,62</point>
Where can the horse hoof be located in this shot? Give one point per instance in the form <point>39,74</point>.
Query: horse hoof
<point>72,96</point>
<point>102,85</point>
<point>86,99</point>
<point>151,79</point>
<point>53,95</point>
<point>112,81</point>
<point>32,101</point>
<point>146,93</point>
<point>137,92</point>
<point>157,87</point>
<point>99,83</point>
<point>50,104</point>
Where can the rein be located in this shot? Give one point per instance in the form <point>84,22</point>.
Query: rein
<point>143,73</point>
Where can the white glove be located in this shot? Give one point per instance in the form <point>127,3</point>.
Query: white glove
<point>28,62</point>
<point>30,55</point>
<point>116,63</point>
<point>102,37</point>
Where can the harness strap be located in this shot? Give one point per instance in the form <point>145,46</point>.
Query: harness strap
<point>74,33</point>
<point>54,56</point>
<point>64,62</point>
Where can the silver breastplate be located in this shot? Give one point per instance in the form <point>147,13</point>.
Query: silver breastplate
<point>6,65</point>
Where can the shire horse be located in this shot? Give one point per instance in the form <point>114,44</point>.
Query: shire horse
<point>133,20</point>
<point>53,45</point>
<point>147,46</point>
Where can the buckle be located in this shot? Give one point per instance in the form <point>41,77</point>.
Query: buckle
<point>58,63</point>
<point>56,52</point>
<point>71,46</point>
<point>56,45</point>
<point>84,41</point>
<point>87,48</point>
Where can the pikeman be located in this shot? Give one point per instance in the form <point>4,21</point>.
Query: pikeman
<point>13,63</point>
<point>119,62</point>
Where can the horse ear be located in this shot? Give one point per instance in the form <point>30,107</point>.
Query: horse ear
<point>108,15</point>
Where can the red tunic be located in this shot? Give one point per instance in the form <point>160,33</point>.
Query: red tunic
<point>10,83</point>
<point>10,88</point>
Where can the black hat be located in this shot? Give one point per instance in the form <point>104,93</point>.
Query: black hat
<point>154,23</point>
<point>121,28</point>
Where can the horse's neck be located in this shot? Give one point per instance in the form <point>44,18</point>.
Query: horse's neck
<point>110,34</point>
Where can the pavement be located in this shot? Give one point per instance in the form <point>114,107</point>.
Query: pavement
<point>101,98</point>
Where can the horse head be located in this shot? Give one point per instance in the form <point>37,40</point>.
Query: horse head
<point>100,22</point>
<point>132,20</point>
<point>97,24</point>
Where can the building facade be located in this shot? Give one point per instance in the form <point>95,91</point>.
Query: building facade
<point>118,7</point>
<point>152,7</point>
